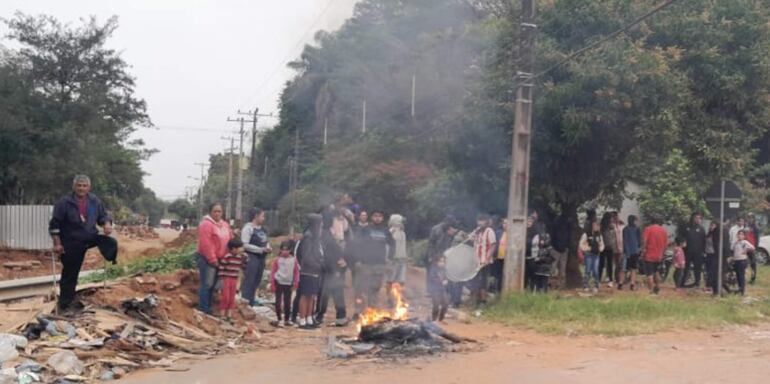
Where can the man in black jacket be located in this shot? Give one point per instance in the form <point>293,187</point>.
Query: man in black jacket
<point>73,229</point>
<point>375,248</point>
<point>695,249</point>
<point>333,276</point>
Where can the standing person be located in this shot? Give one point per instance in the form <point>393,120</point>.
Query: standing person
<point>560,238</point>
<point>396,227</point>
<point>679,262</point>
<point>619,259</point>
<point>311,260</point>
<point>230,267</point>
<point>440,239</point>
<point>333,278</point>
<point>592,245</point>
<point>711,257</point>
<point>607,256</point>
<point>654,243</point>
<point>543,264</point>
<point>257,245</point>
<point>531,250</point>
<point>632,245</point>
<point>752,236</point>
<point>376,248</point>
<point>437,285</point>
<point>499,265</point>
<point>73,230</point>
<point>739,261</point>
<point>739,225</point>
<point>284,278</point>
<point>362,222</point>
<point>695,237</point>
<point>484,242</point>
<point>213,235</point>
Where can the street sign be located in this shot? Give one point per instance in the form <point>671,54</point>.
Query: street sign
<point>732,199</point>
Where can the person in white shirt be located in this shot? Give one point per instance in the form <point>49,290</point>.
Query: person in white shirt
<point>740,259</point>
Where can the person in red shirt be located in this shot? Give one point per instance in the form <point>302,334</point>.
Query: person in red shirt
<point>213,235</point>
<point>654,243</point>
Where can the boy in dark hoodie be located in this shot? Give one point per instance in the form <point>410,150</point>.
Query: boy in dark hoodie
<point>310,256</point>
<point>376,248</point>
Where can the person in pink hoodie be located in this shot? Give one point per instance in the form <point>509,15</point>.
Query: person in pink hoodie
<point>213,235</point>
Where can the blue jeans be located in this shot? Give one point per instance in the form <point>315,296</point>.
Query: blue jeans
<point>208,280</point>
<point>591,269</point>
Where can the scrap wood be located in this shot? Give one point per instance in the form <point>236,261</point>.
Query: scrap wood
<point>119,361</point>
<point>13,318</point>
<point>196,332</point>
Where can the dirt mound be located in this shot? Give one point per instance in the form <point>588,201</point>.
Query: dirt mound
<point>185,237</point>
<point>138,232</point>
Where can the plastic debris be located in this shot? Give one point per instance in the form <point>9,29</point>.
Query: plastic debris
<point>337,350</point>
<point>107,376</point>
<point>29,366</point>
<point>7,351</point>
<point>66,363</point>
<point>16,340</point>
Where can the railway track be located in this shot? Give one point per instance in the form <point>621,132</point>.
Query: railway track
<point>32,286</point>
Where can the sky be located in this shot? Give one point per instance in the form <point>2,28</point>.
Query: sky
<point>196,63</point>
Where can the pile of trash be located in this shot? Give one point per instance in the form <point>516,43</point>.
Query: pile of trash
<point>144,321</point>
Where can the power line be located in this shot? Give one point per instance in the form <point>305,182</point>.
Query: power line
<point>260,90</point>
<point>601,41</point>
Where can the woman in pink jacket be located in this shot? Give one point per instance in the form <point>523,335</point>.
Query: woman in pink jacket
<point>213,235</point>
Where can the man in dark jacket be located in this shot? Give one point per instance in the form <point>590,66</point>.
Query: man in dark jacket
<point>333,276</point>
<point>73,229</point>
<point>560,238</point>
<point>375,248</point>
<point>695,250</point>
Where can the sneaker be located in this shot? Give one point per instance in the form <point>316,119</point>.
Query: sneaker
<point>620,287</point>
<point>341,322</point>
<point>632,287</point>
<point>288,323</point>
<point>610,285</point>
<point>307,327</point>
<point>595,290</point>
<point>655,290</point>
<point>586,289</point>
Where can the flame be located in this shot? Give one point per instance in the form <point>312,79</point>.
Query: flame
<point>399,312</point>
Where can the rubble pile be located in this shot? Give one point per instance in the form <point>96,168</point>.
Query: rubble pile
<point>138,232</point>
<point>143,321</point>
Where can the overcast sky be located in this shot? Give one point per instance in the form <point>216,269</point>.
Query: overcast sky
<point>197,62</point>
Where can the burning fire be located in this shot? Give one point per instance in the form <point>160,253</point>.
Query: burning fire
<point>399,312</point>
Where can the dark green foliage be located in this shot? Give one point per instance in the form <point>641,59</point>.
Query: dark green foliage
<point>67,106</point>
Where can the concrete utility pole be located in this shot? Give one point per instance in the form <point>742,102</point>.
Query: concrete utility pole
<point>363,118</point>
<point>326,129</point>
<point>202,181</point>
<point>239,188</point>
<point>229,209</point>
<point>293,182</point>
<point>414,88</point>
<point>522,133</point>
<point>255,115</point>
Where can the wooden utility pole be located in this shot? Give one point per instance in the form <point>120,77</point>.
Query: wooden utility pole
<point>294,182</point>
<point>520,152</point>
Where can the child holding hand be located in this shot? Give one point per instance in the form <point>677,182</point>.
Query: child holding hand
<point>284,278</point>
<point>230,267</point>
<point>679,263</point>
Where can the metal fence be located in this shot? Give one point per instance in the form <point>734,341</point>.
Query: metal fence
<point>25,227</point>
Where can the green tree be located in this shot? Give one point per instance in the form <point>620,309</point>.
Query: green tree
<point>68,107</point>
<point>674,193</point>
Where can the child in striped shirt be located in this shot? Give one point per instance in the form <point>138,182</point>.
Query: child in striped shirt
<point>230,267</point>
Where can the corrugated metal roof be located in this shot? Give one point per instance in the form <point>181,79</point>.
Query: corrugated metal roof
<point>25,227</point>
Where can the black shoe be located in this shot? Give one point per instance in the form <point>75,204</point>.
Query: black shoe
<point>655,290</point>
<point>307,327</point>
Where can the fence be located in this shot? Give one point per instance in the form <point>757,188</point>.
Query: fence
<point>25,227</point>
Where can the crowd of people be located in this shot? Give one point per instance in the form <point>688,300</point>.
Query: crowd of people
<point>345,239</point>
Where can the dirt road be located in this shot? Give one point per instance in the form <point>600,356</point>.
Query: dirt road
<point>509,355</point>
<point>504,355</point>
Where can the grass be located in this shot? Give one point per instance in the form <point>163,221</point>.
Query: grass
<point>630,314</point>
<point>169,261</point>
